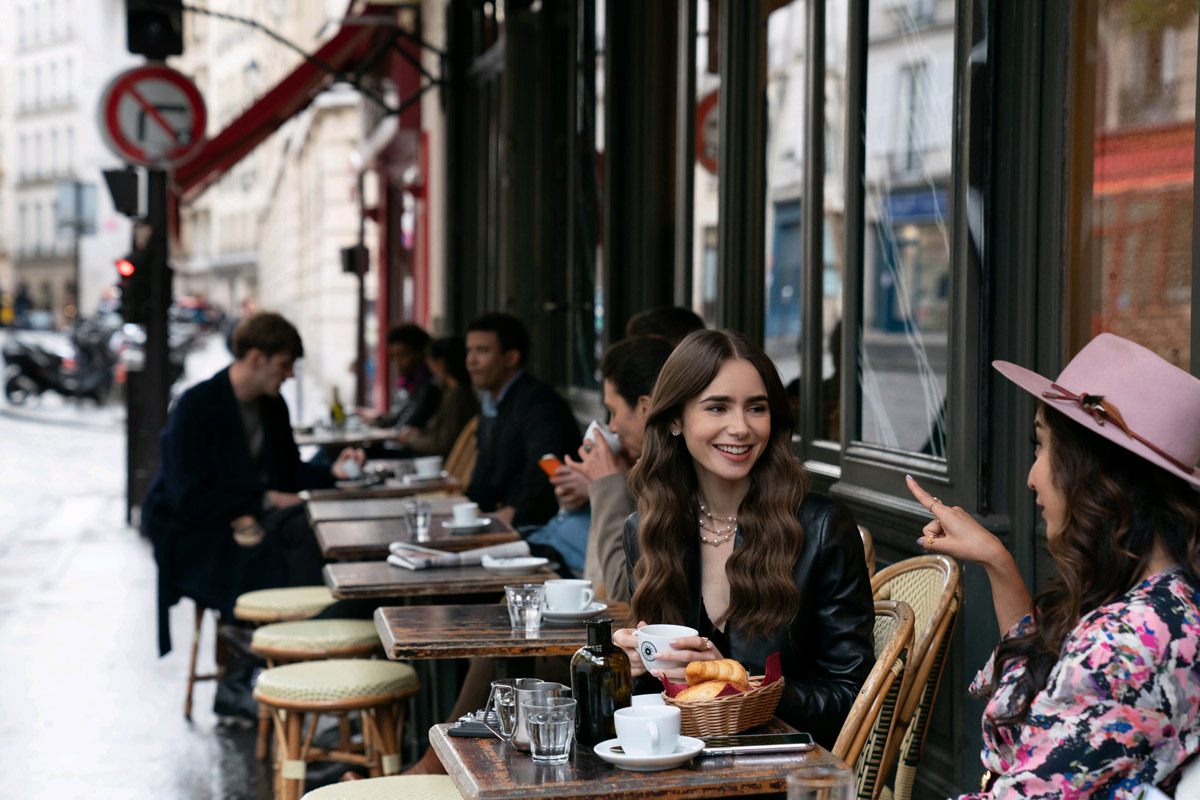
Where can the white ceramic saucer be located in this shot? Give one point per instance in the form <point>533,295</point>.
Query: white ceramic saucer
<point>574,616</point>
<point>686,749</point>
<point>414,478</point>
<point>513,566</point>
<point>480,522</point>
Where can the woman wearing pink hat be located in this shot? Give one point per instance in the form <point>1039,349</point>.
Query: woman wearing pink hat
<point>1094,691</point>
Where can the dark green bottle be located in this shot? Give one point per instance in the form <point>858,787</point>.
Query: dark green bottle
<point>601,684</point>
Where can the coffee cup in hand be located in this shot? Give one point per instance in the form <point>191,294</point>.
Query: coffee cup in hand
<point>568,594</point>
<point>465,513</point>
<point>656,639</point>
<point>648,730</point>
<point>351,469</point>
<point>428,467</point>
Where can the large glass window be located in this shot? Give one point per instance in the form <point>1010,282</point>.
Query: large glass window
<point>907,225</point>
<point>1132,150</point>
<point>833,254</point>
<point>706,180</point>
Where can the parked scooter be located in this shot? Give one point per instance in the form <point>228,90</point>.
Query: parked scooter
<point>86,373</point>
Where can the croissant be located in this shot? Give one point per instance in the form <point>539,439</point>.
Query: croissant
<point>701,691</point>
<point>726,669</point>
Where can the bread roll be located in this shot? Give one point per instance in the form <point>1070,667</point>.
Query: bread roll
<point>726,669</point>
<point>701,691</point>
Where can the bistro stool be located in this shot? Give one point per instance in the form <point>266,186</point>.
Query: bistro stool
<point>282,605</point>
<point>376,688</point>
<point>309,640</point>
<point>193,676</point>
<point>411,787</point>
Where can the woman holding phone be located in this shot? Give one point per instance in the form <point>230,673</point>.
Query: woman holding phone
<point>1094,691</point>
<point>729,540</point>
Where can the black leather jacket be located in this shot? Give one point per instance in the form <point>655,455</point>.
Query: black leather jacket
<point>827,651</point>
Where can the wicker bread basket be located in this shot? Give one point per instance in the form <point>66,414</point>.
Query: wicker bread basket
<point>723,716</point>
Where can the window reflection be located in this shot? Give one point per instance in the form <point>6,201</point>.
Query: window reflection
<point>907,225</point>
<point>706,182</point>
<point>1132,174</point>
<point>836,22</point>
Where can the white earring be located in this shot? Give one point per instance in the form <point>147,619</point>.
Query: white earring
<point>674,433</point>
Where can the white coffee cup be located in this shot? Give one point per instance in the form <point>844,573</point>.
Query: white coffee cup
<point>351,469</point>
<point>596,431</point>
<point>568,594</point>
<point>654,639</point>
<point>648,730</point>
<point>465,513</point>
<point>428,467</point>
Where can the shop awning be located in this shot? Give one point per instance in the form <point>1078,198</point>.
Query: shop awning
<point>291,95</point>
<point>1144,159</point>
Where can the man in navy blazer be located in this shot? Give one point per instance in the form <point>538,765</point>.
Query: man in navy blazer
<point>222,511</point>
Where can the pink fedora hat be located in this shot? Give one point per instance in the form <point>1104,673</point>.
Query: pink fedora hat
<point>1128,395</point>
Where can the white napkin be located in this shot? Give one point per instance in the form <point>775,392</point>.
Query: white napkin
<point>414,556</point>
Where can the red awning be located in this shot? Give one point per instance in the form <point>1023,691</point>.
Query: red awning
<point>269,112</point>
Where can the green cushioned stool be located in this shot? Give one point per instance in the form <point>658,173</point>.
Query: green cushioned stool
<point>292,691</point>
<point>410,787</point>
<point>282,605</point>
<point>308,640</point>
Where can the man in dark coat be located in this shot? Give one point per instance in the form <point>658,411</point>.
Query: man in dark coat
<point>520,420</point>
<point>222,511</point>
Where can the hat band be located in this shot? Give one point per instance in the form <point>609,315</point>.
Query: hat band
<point>1105,411</point>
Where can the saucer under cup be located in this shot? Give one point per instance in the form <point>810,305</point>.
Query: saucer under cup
<point>654,639</point>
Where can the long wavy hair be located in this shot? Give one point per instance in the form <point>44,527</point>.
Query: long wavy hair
<point>1117,507</point>
<point>762,595</point>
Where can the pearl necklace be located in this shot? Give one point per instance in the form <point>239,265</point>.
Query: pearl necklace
<point>720,534</point>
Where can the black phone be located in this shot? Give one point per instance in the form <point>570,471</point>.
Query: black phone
<point>757,743</point>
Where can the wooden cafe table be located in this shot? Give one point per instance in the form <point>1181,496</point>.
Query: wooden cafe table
<point>368,539</point>
<point>390,488</point>
<point>339,508</point>
<point>343,437</point>
<point>489,769</point>
<point>370,579</point>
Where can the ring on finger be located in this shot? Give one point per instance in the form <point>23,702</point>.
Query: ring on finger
<point>707,643</point>
<point>587,447</point>
<point>936,500</point>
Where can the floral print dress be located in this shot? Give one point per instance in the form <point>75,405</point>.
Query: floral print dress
<point>1121,708</point>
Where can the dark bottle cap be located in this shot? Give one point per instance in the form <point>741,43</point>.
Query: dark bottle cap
<point>599,631</point>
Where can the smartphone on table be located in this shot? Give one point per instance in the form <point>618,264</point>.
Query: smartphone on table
<point>752,743</point>
<point>550,464</point>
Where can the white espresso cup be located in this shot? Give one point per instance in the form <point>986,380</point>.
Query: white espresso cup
<point>655,639</point>
<point>568,594</point>
<point>465,513</point>
<point>428,466</point>
<point>648,730</point>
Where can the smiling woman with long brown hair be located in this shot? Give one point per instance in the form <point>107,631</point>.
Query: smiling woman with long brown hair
<point>729,540</point>
<point>1095,690</point>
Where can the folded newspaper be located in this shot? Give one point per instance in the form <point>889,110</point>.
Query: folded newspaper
<point>414,556</point>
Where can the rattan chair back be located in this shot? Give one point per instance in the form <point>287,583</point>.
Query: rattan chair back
<point>868,549</point>
<point>460,463</point>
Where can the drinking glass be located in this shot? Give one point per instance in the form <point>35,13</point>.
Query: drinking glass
<point>525,606</point>
<point>551,725</point>
<point>821,783</point>
<point>416,516</point>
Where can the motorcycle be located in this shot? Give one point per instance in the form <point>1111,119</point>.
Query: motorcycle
<point>85,372</point>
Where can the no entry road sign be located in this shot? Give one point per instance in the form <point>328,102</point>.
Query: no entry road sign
<point>153,116</point>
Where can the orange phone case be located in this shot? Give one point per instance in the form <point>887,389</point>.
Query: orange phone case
<point>549,464</point>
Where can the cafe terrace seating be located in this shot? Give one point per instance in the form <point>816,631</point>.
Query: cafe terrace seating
<point>460,462</point>
<point>291,692</point>
<point>932,586</point>
<point>864,735</point>
<point>193,677</point>
<point>868,549</point>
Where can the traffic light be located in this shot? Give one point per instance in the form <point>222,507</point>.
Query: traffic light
<point>133,271</point>
<point>154,28</point>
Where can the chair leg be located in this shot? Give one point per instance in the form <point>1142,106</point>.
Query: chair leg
<point>187,706</point>
<point>389,754</point>
<point>291,766</point>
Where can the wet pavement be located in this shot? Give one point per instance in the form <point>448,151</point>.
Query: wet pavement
<point>87,708</point>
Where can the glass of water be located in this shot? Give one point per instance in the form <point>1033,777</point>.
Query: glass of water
<point>525,606</point>
<point>551,725</point>
<point>416,516</point>
<point>821,783</point>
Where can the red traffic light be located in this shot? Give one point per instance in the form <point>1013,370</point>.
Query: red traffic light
<point>125,267</point>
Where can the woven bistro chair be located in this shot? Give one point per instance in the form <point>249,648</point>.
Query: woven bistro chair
<point>864,735</point>
<point>460,462</point>
<point>868,549</point>
<point>932,586</point>
<point>193,676</point>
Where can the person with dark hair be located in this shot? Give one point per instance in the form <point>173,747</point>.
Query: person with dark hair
<point>447,361</point>
<point>629,368</point>
<point>665,322</point>
<point>223,510</point>
<point>728,540</point>
<point>417,395</point>
<point>520,420</point>
<point>1094,691</point>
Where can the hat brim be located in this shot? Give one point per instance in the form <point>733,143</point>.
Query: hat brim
<point>1036,385</point>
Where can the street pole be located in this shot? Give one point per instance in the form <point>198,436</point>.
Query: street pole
<point>360,393</point>
<point>77,230</point>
